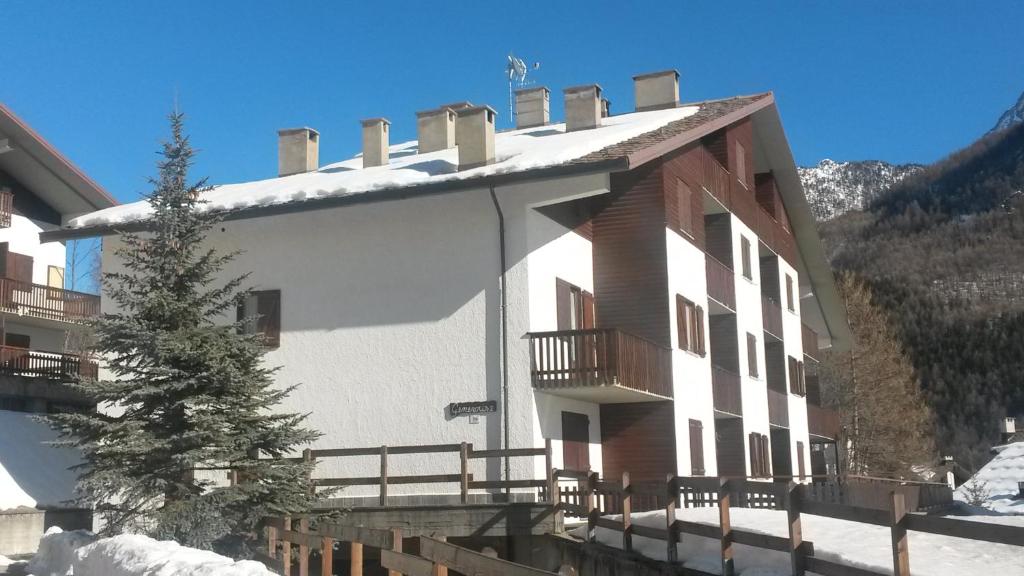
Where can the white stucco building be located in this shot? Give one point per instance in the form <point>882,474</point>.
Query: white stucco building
<point>635,287</point>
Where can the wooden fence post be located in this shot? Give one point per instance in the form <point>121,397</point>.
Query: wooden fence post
<point>440,569</point>
<point>356,562</point>
<point>303,548</point>
<point>307,457</point>
<point>396,546</point>
<point>286,548</point>
<point>672,494</point>
<point>550,471</point>
<point>464,472</point>
<point>327,557</point>
<point>272,541</point>
<point>627,509</point>
<point>728,566</point>
<point>900,543</point>
<point>796,539</point>
<point>384,475</point>
<point>592,511</point>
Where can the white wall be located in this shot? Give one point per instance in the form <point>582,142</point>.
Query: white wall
<point>691,373</point>
<point>793,345</point>
<point>23,237</point>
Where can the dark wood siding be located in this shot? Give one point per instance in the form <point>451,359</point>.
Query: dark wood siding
<point>729,447</point>
<point>770,277</point>
<point>684,198</point>
<point>724,342</point>
<point>575,441</point>
<point>630,274</point>
<point>640,439</point>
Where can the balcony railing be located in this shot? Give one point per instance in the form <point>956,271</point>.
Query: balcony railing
<point>45,302</point>
<point>726,390</point>
<point>778,408</point>
<point>771,315</point>
<point>823,422</point>
<point>714,177</point>
<point>6,208</point>
<point>775,235</point>
<point>810,341</point>
<point>51,365</point>
<point>599,357</point>
<point>721,283</point>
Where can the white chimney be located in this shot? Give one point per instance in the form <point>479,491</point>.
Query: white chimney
<point>656,90</point>
<point>375,142</point>
<point>582,107</point>
<point>1008,426</point>
<point>435,129</point>
<point>298,151</point>
<point>474,132</point>
<point>532,107</point>
<point>606,107</point>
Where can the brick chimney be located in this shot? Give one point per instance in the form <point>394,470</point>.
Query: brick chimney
<point>375,142</point>
<point>582,107</point>
<point>474,132</point>
<point>656,90</point>
<point>298,151</point>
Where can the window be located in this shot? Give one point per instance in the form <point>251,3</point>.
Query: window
<point>790,302</point>
<point>684,198</point>
<point>690,326</point>
<point>575,441</point>
<point>574,306</point>
<point>260,313</point>
<point>797,380</point>
<point>741,163</point>
<point>696,448</point>
<point>751,355</point>
<point>17,340</point>
<point>760,455</point>
<point>748,272</point>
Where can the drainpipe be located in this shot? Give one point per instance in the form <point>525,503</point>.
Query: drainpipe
<point>504,333</point>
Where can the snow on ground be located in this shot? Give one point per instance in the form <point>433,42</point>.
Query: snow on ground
<point>515,151</point>
<point>81,554</point>
<point>33,473</point>
<point>851,543</point>
<point>1000,476</point>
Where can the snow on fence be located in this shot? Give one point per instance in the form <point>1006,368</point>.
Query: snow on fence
<point>603,496</point>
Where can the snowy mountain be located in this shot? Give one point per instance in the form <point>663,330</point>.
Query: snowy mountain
<point>833,188</point>
<point>1013,115</point>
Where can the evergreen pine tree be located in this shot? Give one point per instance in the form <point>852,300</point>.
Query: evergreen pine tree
<point>187,392</point>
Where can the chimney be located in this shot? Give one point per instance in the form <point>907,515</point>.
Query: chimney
<point>582,107</point>
<point>474,132</point>
<point>435,129</point>
<point>298,151</point>
<point>606,107</point>
<point>1008,428</point>
<point>375,142</point>
<point>532,107</point>
<point>656,90</point>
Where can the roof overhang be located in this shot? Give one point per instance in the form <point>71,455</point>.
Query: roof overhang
<point>37,165</point>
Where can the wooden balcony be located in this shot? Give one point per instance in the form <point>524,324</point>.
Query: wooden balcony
<point>726,390</point>
<point>771,315</point>
<point>778,408</point>
<point>715,178</point>
<point>50,365</point>
<point>822,422</point>
<point>775,235</point>
<point>6,208</point>
<point>721,282</point>
<point>600,365</point>
<point>40,301</point>
<point>810,341</point>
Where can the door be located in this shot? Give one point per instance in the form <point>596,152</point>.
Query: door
<point>575,441</point>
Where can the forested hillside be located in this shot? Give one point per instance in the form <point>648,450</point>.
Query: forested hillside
<point>943,251</point>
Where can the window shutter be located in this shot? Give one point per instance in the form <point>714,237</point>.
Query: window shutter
<point>268,306</point>
<point>681,334</point>
<point>684,199</point>
<point>745,258</point>
<point>789,293</point>
<point>19,267</point>
<point>754,454</point>
<point>697,447</point>
<point>589,312</point>
<point>800,460</point>
<point>741,163</point>
<point>765,457</point>
<point>563,303</point>
<point>803,378</point>
<point>701,348</point>
<point>752,355</point>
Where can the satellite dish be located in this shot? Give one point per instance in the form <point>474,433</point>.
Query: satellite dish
<point>516,69</point>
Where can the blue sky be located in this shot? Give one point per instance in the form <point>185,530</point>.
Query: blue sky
<point>898,81</point>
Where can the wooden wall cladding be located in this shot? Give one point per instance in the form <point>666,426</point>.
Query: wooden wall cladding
<point>638,438</point>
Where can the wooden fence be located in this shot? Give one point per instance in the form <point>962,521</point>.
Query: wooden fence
<point>597,497</point>
<point>434,558</point>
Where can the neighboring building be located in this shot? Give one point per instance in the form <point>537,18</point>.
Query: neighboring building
<point>648,290</point>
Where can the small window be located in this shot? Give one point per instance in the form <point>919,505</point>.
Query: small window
<point>752,355</point>
<point>696,448</point>
<point>684,198</point>
<point>748,271</point>
<point>741,163</point>
<point>790,301</point>
<point>690,326</point>
<point>260,313</point>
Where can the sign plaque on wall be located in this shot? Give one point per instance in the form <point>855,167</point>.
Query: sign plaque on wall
<point>472,408</point>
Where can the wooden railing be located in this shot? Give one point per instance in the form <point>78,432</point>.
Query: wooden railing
<point>810,341</point>
<point>721,282</point>
<point>622,497</point>
<point>45,302</point>
<point>771,316</point>
<point>6,208</point>
<point>775,235</point>
<point>778,408</point>
<point>726,390</point>
<point>599,357</point>
<point>822,422</point>
<point>52,365</point>
<point>714,177</point>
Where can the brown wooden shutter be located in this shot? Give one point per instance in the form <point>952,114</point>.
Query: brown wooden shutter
<point>792,374</point>
<point>752,355</point>
<point>684,198</point>
<point>800,460</point>
<point>754,454</point>
<point>563,303</point>
<point>696,447</point>
<point>575,441</point>
<point>701,347</point>
<point>681,333</point>
<point>745,256</point>
<point>766,457</point>
<point>268,306</point>
<point>789,293</point>
<point>19,267</point>
<point>589,311</point>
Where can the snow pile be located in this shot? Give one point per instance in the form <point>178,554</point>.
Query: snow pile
<point>81,554</point>
<point>515,151</point>
<point>860,545</point>
<point>33,473</point>
<point>1000,476</point>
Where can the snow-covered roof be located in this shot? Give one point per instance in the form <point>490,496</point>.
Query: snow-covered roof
<point>1000,477</point>
<point>516,152</point>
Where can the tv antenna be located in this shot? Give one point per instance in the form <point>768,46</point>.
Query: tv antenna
<point>516,71</point>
